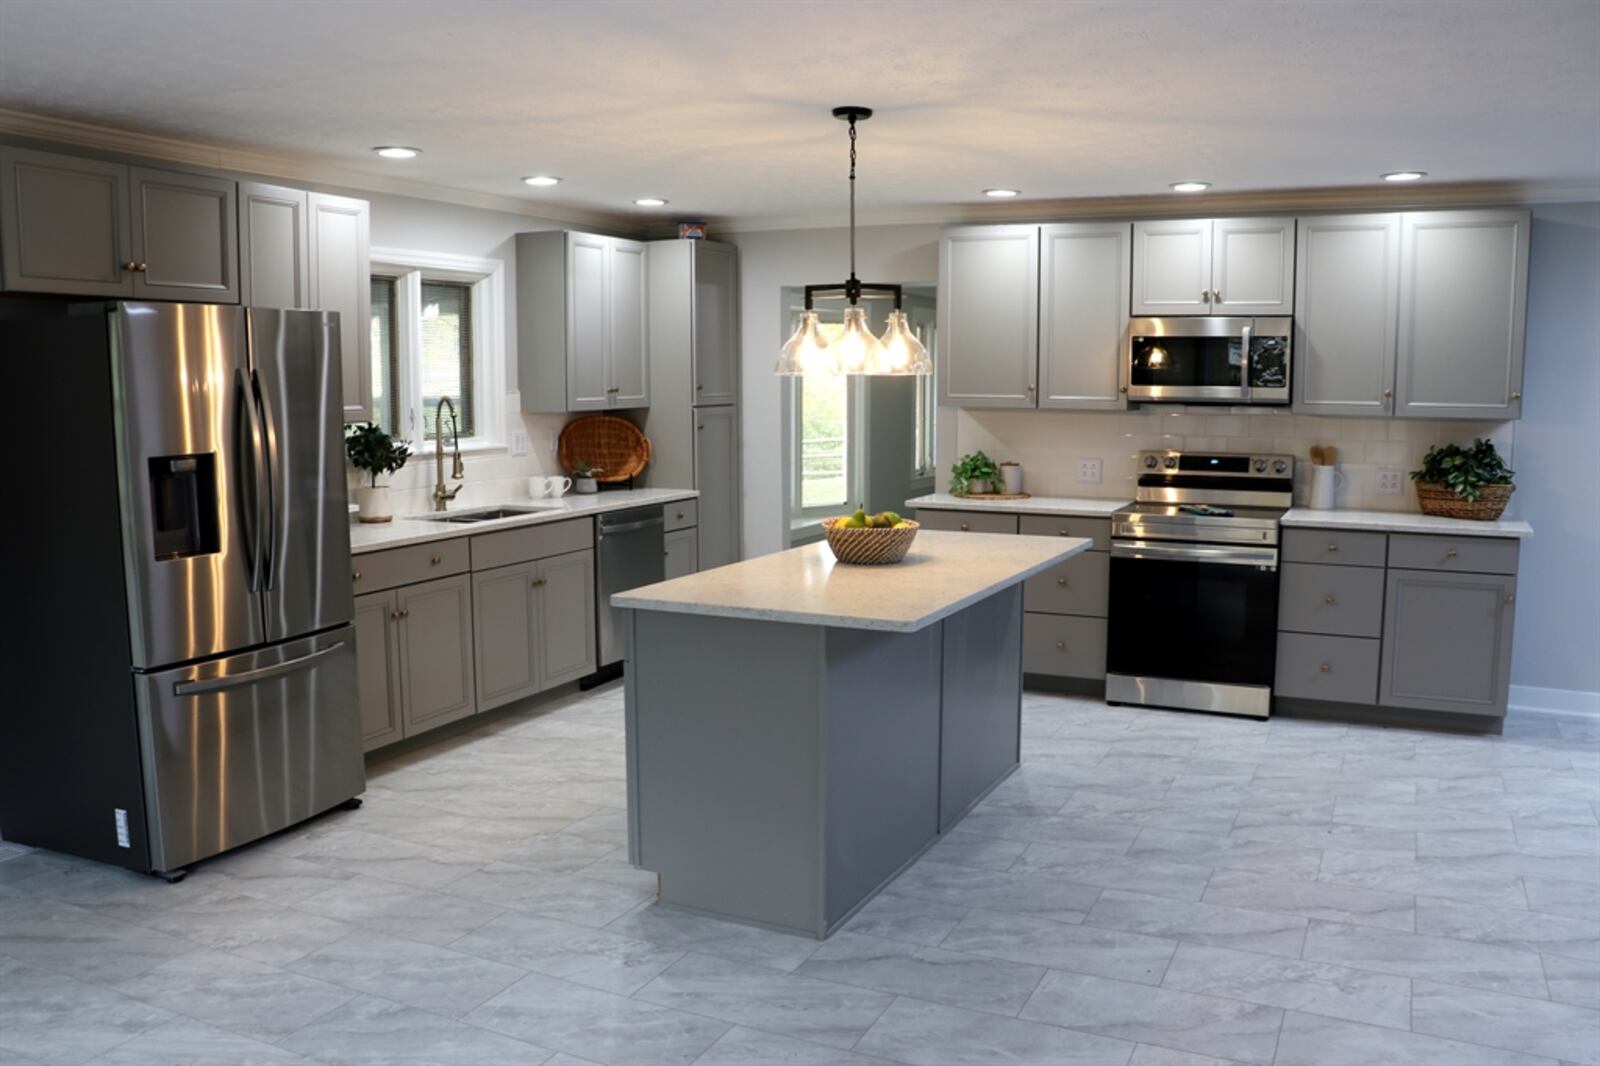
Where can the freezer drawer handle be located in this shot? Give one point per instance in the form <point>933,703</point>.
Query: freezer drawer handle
<point>266,673</point>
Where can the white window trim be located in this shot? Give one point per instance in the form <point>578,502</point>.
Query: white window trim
<point>487,278</point>
<point>855,430</point>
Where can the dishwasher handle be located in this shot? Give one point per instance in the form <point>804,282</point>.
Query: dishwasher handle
<point>630,527</point>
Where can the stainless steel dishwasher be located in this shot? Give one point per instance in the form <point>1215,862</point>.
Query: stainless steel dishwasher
<point>631,551</point>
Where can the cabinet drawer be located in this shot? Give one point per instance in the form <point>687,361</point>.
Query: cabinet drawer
<point>1045,525</point>
<point>681,515</point>
<point>372,571</point>
<point>1341,601</point>
<point>1081,585</point>
<point>1337,669</point>
<point>1339,547</point>
<point>1060,645</point>
<point>967,521</point>
<point>1471,555</point>
<point>531,542</point>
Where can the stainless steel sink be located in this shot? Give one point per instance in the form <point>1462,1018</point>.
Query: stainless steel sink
<point>490,514</point>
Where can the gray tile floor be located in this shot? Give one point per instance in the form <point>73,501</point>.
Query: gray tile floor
<point>1150,889</point>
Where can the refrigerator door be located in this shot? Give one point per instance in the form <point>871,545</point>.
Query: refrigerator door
<point>237,748</point>
<point>189,479</point>
<point>294,357</point>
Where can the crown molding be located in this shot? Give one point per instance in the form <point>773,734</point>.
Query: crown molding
<point>1177,205</point>
<point>288,167</point>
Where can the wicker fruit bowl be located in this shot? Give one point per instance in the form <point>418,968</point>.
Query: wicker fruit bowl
<point>868,546</point>
<point>1441,500</point>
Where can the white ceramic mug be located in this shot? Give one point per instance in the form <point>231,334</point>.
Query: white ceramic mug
<point>540,488</point>
<point>1325,484</point>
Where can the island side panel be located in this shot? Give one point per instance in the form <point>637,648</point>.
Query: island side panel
<point>725,767</point>
<point>982,713</point>
<point>880,760</point>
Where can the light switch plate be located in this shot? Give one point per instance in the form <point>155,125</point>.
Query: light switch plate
<point>1090,471</point>
<point>555,440</point>
<point>519,442</point>
<point>1391,481</point>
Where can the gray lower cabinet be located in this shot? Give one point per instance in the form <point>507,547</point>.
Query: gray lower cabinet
<point>340,279</point>
<point>1081,586</point>
<point>1314,666</point>
<point>1447,641</point>
<point>966,521</point>
<point>683,553</point>
<point>716,475</point>
<point>378,669</point>
<point>1334,600</point>
<point>566,618</point>
<point>185,236</point>
<point>1063,645</point>
<point>274,246</point>
<point>988,311</point>
<point>435,638</point>
<point>534,626</point>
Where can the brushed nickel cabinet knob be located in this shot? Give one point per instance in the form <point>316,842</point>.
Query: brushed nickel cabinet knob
<point>435,560</point>
<point>1326,668</point>
<point>356,576</point>
<point>965,528</point>
<point>1333,547</point>
<point>1450,553</point>
<point>1511,599</point>
<point>1205,296</point>
<point>1061,581</point>
<point>1328,600</point>
<point>130,266</point>
<point>1388,392</point>
<point>1516,395</point>
<point>1061,645</point>
<point>394,614</point>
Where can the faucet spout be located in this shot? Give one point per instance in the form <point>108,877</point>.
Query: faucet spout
<point>441,495</point>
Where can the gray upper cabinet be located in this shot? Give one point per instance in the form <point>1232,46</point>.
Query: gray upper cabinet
<point>1224,266</point>
<point>582,322</point>
<point>1172,267</point>
<point>716,472</point>
<point>340,280</point>
<point>1447,641</point>
<point>1345,315</point>
<point>1463,293</point>
<point>988,316</point>
<point>274,246</point>
<point>64,224</point>
<point>185,236</point>
<point>1083,314</point>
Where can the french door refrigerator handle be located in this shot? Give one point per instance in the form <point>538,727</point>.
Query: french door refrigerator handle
<point>200,686</point>
<point>251,413</point>
<point>269,459</point>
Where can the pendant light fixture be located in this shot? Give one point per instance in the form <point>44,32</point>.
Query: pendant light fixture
<point>854,350</point>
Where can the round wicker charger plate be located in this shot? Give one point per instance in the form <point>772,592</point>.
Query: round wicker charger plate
<point>612,443</point>
<point>1442,501</point>
<point>993,495</point>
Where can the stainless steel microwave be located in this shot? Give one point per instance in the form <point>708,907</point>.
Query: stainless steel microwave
<point>1209,360</point>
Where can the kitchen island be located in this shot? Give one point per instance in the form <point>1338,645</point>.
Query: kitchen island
<point>799,730</point>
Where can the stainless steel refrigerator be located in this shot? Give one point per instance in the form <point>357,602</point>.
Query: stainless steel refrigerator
<point>187,681</point>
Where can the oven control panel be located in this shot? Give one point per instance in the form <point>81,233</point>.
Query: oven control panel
<point>1216,464</point>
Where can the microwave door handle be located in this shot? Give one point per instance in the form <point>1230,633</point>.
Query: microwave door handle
<point>1244,360</point>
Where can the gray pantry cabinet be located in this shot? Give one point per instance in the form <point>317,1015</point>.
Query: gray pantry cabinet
<point>91,227</point>
<point>1223,266</point>
<point>716,475</point>
<point>1346,314</point>
<point>582,322</point>
<point>274,245</point>
<point>988,316</point>
<point>340,279</point>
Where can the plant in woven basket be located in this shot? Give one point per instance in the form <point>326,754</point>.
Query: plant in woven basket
<point>1464,471</point>
<point>970,468</point>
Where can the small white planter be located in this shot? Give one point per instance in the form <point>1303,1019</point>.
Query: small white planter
<point>585,486</point>
<point>373,501</point>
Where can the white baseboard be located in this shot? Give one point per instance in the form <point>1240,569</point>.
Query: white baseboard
<point>1532,699</point>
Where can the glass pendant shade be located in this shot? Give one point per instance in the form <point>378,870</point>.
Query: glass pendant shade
<point>807,351</point>
<point>902,354</point>
<point>855,349</point>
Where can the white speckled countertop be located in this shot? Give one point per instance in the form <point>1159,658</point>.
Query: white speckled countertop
<point>1406,522</point>
<point>367,537</point>
<point>1077,507</point>
<point>943,573</point>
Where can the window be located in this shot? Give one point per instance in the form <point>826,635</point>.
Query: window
<point>437,332</point>
<point>922,449</point>
<point>824,467</point>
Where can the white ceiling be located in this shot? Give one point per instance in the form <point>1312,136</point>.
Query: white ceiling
<point>722,107</point>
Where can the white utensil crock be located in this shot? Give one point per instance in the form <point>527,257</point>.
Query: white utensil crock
<point>1325,484</point>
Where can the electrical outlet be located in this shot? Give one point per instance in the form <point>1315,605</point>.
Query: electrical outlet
<point>519,442</point>
<point>1089,471</point>
<point>1391,482</point>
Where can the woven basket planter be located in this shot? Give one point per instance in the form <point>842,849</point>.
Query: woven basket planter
<point>867,546</point>
<point>1442,501</point>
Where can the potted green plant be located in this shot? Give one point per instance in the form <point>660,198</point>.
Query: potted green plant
<point>583,477</point>
<point>974,475</point>
<point>1457,482</point>
<point>374,452</point>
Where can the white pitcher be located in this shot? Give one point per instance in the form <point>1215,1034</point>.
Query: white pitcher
<point>1325,484</point>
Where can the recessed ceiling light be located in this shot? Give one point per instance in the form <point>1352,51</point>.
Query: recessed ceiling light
<point>397,151</point>
<point>1404,175</point>
<point>650,201</point>
<point>1190,186</point>
<point>541,180</point>
<point>1002,194</point>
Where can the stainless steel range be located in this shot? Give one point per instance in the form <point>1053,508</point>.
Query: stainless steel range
<point>1194,583</point>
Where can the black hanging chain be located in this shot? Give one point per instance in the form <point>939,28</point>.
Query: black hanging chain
<point>853,287</point>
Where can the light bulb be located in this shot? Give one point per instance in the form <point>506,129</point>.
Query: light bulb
<point>807,351</point>
<point>903,354</point>
<point>856,350</point>
<point>1157,359</point>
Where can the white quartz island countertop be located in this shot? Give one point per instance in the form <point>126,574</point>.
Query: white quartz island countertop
<point>1072,506</point>
<point>942,574</point>
<point>1405,522</point>
<point>420,529</point>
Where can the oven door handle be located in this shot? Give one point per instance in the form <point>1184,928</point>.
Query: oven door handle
<point>1261,558</point>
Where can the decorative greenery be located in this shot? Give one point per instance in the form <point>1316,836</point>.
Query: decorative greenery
<point>1464,470</point>
<point>373,450</point>
<point>970,468</point>
<point>581,468</point>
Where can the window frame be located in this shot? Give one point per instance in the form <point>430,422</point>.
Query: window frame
<point>486,277</point>
<point>924,460</point>
<point>854,433</point>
